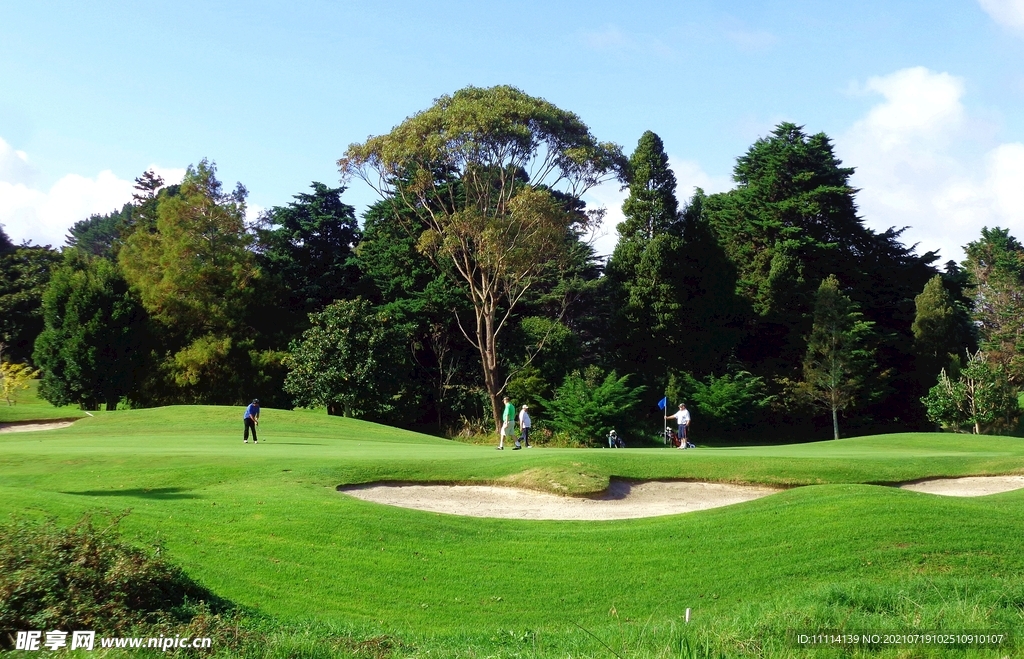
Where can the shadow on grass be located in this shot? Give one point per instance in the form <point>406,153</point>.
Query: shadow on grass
<point>159,493</point>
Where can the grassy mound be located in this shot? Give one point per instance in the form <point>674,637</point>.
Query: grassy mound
<point>30,407</point>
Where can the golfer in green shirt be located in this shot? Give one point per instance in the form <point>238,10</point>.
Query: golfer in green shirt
<point>508,419</point>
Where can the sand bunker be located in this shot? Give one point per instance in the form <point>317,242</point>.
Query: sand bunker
<point>28,427</point>
<point>971,486</point>
<point>623,500</point>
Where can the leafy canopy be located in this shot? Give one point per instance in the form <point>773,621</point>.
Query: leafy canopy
<point>93,347</point>
<point>979,397</point>
<point>493,179</point>
<point>351,361</point>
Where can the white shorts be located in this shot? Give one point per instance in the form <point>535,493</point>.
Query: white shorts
<point>507,429</point>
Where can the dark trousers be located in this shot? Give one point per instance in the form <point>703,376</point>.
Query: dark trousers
<point>249,425</point>
<point>526,435</point>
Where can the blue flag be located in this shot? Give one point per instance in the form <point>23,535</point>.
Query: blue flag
<point>663,403</point>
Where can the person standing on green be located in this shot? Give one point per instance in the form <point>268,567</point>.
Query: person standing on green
<point>508,418</point>
<point>251,419</point>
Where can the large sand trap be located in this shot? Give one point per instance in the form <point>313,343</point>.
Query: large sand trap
<point>970,486</point>
<point>28,427</point>
<point>624,500</point>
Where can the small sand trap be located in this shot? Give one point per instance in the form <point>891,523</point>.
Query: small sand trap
<point>623,500</point>
<point>971,486</point>
<point>28,427</point>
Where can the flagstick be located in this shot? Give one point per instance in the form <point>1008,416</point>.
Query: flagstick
<point>664,430</point>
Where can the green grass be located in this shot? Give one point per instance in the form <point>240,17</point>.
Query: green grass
<point>30,407</point>
<point>265,527</point>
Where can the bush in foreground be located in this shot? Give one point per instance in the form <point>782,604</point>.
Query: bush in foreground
<point>82,577</point>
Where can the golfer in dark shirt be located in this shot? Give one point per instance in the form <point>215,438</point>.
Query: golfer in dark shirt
<point>251,420</point>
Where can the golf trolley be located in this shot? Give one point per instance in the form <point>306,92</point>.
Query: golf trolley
<point>673,440</point>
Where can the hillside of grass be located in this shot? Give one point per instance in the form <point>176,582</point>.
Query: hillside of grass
<point>264,527</point>
<point>28,406</point>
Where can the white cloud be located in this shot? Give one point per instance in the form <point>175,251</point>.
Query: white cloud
<point>689,175</point>
<point>918,164</point>
<point>44,216</point>
<point>1008,13</point>
<point>14,165</point>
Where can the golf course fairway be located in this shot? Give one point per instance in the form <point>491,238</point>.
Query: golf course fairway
<point>265,527</point>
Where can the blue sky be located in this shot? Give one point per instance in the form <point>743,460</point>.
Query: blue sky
<point>923,98</point>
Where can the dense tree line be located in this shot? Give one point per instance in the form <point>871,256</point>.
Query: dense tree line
<point>771,309</point>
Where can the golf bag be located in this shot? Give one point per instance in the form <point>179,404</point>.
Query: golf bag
<point>670,438</point>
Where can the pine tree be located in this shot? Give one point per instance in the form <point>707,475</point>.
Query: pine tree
<point>642,269</point>
<point>837,359</point>
<point>942,327</point>
<point>651,207</point>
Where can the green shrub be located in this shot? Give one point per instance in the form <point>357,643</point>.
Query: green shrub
<point>732,401</point>
<point>84,578</point>
<point>590,404</point>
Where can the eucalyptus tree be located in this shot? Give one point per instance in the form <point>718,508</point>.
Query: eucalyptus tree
<point>494,177</point>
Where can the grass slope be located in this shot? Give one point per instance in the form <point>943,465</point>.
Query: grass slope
<point>30,407</point>
<point>263,526</point>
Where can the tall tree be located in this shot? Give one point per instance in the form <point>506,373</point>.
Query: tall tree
<point>307,247</point>
<point>351,361</point>
<point>713,314</point>
<point>644,294</point>
<point>398,278</point>
<point>838,358</point>
<point>942,328</point>
<point>481,169</point>
<point>24,274</point>
<point>790,222</point>
<point>98,235</point>
<point>671,287</point>
<point>651,207</point>
<point>193,273</point>
<point>93,348</point>
<point>995,264</point>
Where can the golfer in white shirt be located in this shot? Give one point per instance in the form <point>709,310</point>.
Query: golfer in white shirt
<point>682,418</point>
<point>524,425</point>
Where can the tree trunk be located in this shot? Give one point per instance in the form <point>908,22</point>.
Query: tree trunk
<point>835,424</point>
<point>487,341</point>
